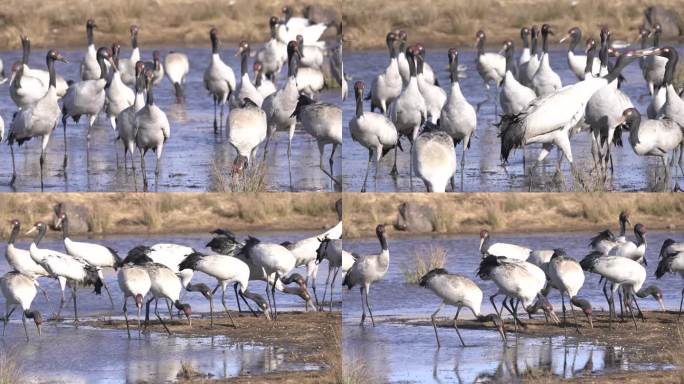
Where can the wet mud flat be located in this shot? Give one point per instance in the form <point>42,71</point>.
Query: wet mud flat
<point>652,353</point>
<point>310,341</point>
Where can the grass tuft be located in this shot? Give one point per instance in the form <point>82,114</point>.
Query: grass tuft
<point>11,369</point>
<point>424,260</point>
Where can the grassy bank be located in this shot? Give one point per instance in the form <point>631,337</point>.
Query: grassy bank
<point>516,212</point>
<point>448,22</point>
<point>61,23</point>
<point>122,213</point>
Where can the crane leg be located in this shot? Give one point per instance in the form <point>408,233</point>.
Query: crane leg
<point>394,172</point>
<point>289,155</point>
<point>211,311</point>
<point>75,307</point>
<point>147,311</point>
<point>563,304</point>
<point>111,301</point>
<point>237,299</point>
<point>365,179</point>
<point>363,307</point>
<point>125,311</point>
<point>248,306</point>
<point>275,305</point>
<point>631,312</point>
<point>23,322</point>
<point>142,169</point>
<point>680,305</point>
<point>332,284</point>
<point>42,165</point>
<point>66,156</point>
<point>456,326</point>
<point>370,311</point>
<point>215,122</point>
<point>434,325</point>
<point>636,304</point>
<point>325,290</point>
<point>515,318</point>
<point>139,309</point>
<point>333,181</point>
<point>491,300</point>
<point>223,103</point>
<point>14,169</point>
<point>5,320</point>
<point>156,312</point>
<point>168,306</point>
<point>574,317</point>
<point>225,307</point>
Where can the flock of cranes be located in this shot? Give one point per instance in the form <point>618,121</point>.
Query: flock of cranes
<point>525,277</point>
<point>535,106</point>
<point>163,271</point>
<point>123,89</point>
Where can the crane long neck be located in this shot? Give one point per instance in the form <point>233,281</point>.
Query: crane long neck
<point>40,235</point>
<point>214,44</point>
<point>656,39</point>
<point>243,61</point>
<point>640,238</point>
<point>51,72</point>
<point>26,51</point>
<point>574,41</point>
<point>634,122</point>
<point>359,104</point>
<point>419,69</point>
<point>103,67</point>
<point>412,65</point>
<point>545,42</point>
<point>150,93</point>
<point>526,41</point>
<point>668,78</point>
<point>134,40</point>
<point>619,66</point>
<point>65,228</point>
<point>589,67</point>
<point>383,242</point>
<point>453,70</point>
<point>14,234</point>
<point>533,44</point>
<point>292,66</point>
<point>89,35</point>
<point>510,65</point>
<point>480,46</point>
<point>622,227</point>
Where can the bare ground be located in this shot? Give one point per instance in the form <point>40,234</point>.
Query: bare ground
<point>516,212</point>
<point>308,337</point>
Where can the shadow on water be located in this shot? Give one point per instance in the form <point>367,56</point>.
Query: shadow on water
<point>407,354</point>
<point>190,157</point>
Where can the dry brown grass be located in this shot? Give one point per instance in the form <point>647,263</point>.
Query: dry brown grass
<point>516,212</point>
<point>11,370</point>
<point>162,22</point>
<point>449,22</point>
<point>178,212</point>
<point>424,260</point>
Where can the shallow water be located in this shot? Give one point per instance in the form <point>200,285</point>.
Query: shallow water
<point>406,353</point>
<point>156,358</point>
<point>483,171</point>
<point>190,155</point>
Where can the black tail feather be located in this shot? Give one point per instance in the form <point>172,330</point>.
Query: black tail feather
<point>190,261</point>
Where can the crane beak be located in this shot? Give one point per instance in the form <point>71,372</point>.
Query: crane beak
<point>30,231</point>
<point>660,301</point>
<point>564,38</point>
<point>267,313</point>
<point>501,51</point>
<point>239,52</point>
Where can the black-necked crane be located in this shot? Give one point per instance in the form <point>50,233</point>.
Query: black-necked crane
<point>245,88</point>
<point>224,242</point>
<point>164,284</point>
<point>177,67</point>
<point>517,281</point>
<point>374,131</point>
<point>387,85</point>
<point>605,240</point>
<point>20,259</point>
<point>577,63</point>
<point>545,81</point>
<point>513,96</point>
<point>323,121</point>
<point>280,106</point>
<point>654,137</point>
<point>368,269</point>
<point>134,282</point>
<point>261,82</point>
<point>549,120</point>
<point>19,290</point>
<point>152,130</point>
<point>86,98</point>
<point>409,111</point>
<point>156,67</point>
<point>671,246</point>
<point>96,255</point>
<point>275,260</point>
<point>118,96</point>
<point>510,251</point>
<point>126,125</point>
<point>525,54</point>
<point>273,54</point>
<point>673,107</point>
<point>434,158</point>
<point>331,250</point>
<point>126,67</point>
<point>434,96</point>
<point>90,66</point>
<point>603,112</point>
<point>566,275</point>
<point>403,62</point>
<point>634,250</point>
<point>671,260</point>
<point>226,270</point>
<point>67,269</point>
<point>621,272</point>
<point>654,66</point>
<point>29,75</point>
<point>38,119</point>
<point>527,70</point>
<point>491,67</point>
<point>247,127</point>
<point>461,292</point>
<point>219,78</point>
<point>458,117</point>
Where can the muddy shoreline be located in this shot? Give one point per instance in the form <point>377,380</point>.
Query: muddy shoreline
<point>658,339</point>
<point>308,337</point>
